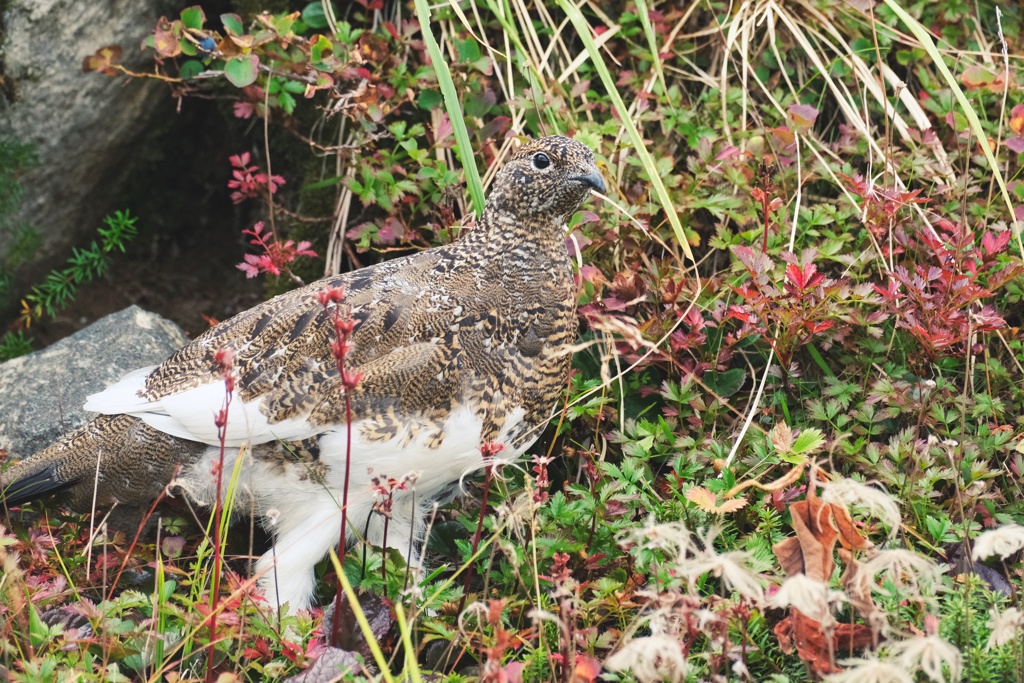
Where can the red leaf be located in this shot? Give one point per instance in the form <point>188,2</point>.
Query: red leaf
<point>807,278</point>
<point>977,76</point>
<point>995,242</point>
<point>802,115</point>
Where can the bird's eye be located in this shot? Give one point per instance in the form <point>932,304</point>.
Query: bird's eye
<point>541,161</point>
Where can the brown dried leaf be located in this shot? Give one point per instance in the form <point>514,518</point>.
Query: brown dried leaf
<point>784,135</point>
<point>857,586</point>
<point>783,631</point>
<point>227,47</point>
<point>812,641</point>
<point>702,498</point>
<point>812,521</point>
<point>167,37</point>
<point>103,60</point>
<point>706,501</point>
<point>849,535</point>
<point>782,437</point>
<point>790,556</point>
<point>732,505</point>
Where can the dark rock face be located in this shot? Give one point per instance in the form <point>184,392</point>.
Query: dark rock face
<point>83,127</point>
<point>41,394</point>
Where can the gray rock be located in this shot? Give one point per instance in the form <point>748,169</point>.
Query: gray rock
<point>83,127</point>
<point>41,394</point>
<point>331,666</point>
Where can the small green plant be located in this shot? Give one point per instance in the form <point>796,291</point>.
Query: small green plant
<point>58,289</point>
<point>22,239</point>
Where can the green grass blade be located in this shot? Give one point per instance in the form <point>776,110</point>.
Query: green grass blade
<point>921,33</point>
<point>652,42</point>
<point>454,108</point>
<point>585,34</point>
<point>411,665</point>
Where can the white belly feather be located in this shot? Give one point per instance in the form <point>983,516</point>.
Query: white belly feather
<point>304,511</point>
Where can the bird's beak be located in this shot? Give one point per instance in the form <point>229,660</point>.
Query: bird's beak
<point>593,179</point>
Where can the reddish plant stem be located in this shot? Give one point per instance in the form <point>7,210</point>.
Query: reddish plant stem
<point>488,451</point>
<point>349,381</point>
<point>767,222</point>
<point>476,537</point>
<point>217,561</point>
<point>384,553</point>
<point>344,518</point>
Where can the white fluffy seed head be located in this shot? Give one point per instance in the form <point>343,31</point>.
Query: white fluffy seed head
<point>811,597</point>
<point>873,501</point>
<point>870,670</point>
<point>928,654</point>
<point>1003,542</point>
<point>908,571</point>
<point>651,659</point>
<point>696,556</point>
<point>1006,626</point>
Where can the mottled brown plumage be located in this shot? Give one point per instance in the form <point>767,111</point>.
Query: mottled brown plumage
<point>458,346</point>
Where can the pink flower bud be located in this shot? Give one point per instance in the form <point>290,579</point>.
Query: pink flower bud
<point>491,448</point>
<point>350,379</point>
<point>345,326</point>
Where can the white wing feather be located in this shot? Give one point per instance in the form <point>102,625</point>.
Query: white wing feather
<point>191,414</point>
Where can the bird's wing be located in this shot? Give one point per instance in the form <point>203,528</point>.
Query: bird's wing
<point>286,373</point>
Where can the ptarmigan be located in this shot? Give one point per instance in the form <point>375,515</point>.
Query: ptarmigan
<point>462,349</point>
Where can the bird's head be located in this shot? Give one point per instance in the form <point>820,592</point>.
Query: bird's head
<point>548,177</point>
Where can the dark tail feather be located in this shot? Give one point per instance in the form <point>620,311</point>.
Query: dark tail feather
<point>32,486</point>
<point>53,469</point>
<point>135,462</point>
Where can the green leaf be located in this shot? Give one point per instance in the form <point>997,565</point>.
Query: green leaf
<point>283,24</point>
<point>287,102</point>
<point>318,45</point>
<point>242,70</point>
<point>810,439</point>
<point>232,24</point>
<point>907,57</point>
<point>190,69</point>
<point>726,383</point>
<point>314,17</point>
<point>428,99</point>
<point>37,630</point>
<point>319,184</point>
<point>478,105</point>
<point>167,590</point>
<point>469,50</point>
<point>865,48</point>
<point>193,17</point>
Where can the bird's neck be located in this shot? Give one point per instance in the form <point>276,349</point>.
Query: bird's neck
<point>501,229</point>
